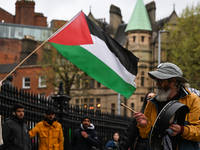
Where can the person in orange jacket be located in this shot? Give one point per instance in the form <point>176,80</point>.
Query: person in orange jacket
<point>50,132</point>
<point>171,87</point>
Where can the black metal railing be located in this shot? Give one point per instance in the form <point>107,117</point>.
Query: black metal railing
<point>69,116</point>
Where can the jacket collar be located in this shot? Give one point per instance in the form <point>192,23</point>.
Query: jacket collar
<point>183,92</point>
<point>18,120</point>
<point>53,124</point>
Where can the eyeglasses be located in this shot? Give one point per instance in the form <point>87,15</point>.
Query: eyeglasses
<point>158,81</point>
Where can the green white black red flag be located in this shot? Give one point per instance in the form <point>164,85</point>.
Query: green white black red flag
<point>87,46</point>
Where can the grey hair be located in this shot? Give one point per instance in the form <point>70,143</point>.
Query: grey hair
<point>179,83</point>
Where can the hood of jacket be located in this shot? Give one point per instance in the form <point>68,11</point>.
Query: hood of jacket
<point>90,127</point>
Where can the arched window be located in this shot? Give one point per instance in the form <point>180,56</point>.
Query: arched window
<point>142,38</point>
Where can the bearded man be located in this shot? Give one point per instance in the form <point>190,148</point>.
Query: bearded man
<point>15,130</point>
<point>171,86</point>
<point>85,137</point>
<point>50,132</point>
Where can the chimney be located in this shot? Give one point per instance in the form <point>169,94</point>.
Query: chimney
<point>24,12</point>
<point>151,9</point>
<point>115,20</point>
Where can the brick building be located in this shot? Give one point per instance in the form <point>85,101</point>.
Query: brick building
<point>20,34</point>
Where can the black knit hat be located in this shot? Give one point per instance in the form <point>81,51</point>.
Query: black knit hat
<point>84,117</point>
<point>49,110</point>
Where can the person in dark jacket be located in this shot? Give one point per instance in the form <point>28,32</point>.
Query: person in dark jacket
<point>15,131</point>
<point>113,144</point>
<point>131,137</point>
<point>85,137</point>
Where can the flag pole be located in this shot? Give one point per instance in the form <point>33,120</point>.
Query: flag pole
<point>38,48</point>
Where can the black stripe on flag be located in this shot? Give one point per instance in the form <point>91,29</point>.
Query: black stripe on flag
<point>127,58</point>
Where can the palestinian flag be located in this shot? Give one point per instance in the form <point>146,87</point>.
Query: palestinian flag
<point>83,43</point>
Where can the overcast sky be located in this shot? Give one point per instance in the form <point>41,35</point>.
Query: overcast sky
<point>66,9</point>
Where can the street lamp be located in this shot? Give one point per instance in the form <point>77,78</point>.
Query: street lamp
<point>159,44</point>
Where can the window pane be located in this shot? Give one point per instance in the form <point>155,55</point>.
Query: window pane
<point>1,31</point>
<point>133,38</point>
<point>4,31</point>
<point>113,108</point>
<point>91,83</point>
<point>132,105</point>
<point>42,81</point>
<point>11,32</point>
<point>45,34</point>
<point>26,82</point>
<point>8,32</point>
<point>37,34</point>
<point>142,81</point>
<point>18,33</point>
<point>91,100</point>
<point>26,31</point>
<point>27,79</point>
<point>85,100</point>
<point>142,38</point>
<point>98,100</point>
<point>32,31</point>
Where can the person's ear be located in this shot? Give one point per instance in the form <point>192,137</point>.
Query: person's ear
<point>173,82</point>
<point>13,113</point>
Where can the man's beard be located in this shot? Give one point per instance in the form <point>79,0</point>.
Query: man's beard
<point>50,122</point>
<point>163,94</point>
<point>85,126</point>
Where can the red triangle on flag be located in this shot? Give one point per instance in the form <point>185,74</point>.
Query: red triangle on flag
<point>75,32</point>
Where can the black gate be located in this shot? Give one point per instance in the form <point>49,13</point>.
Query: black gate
<point>69,116</point>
